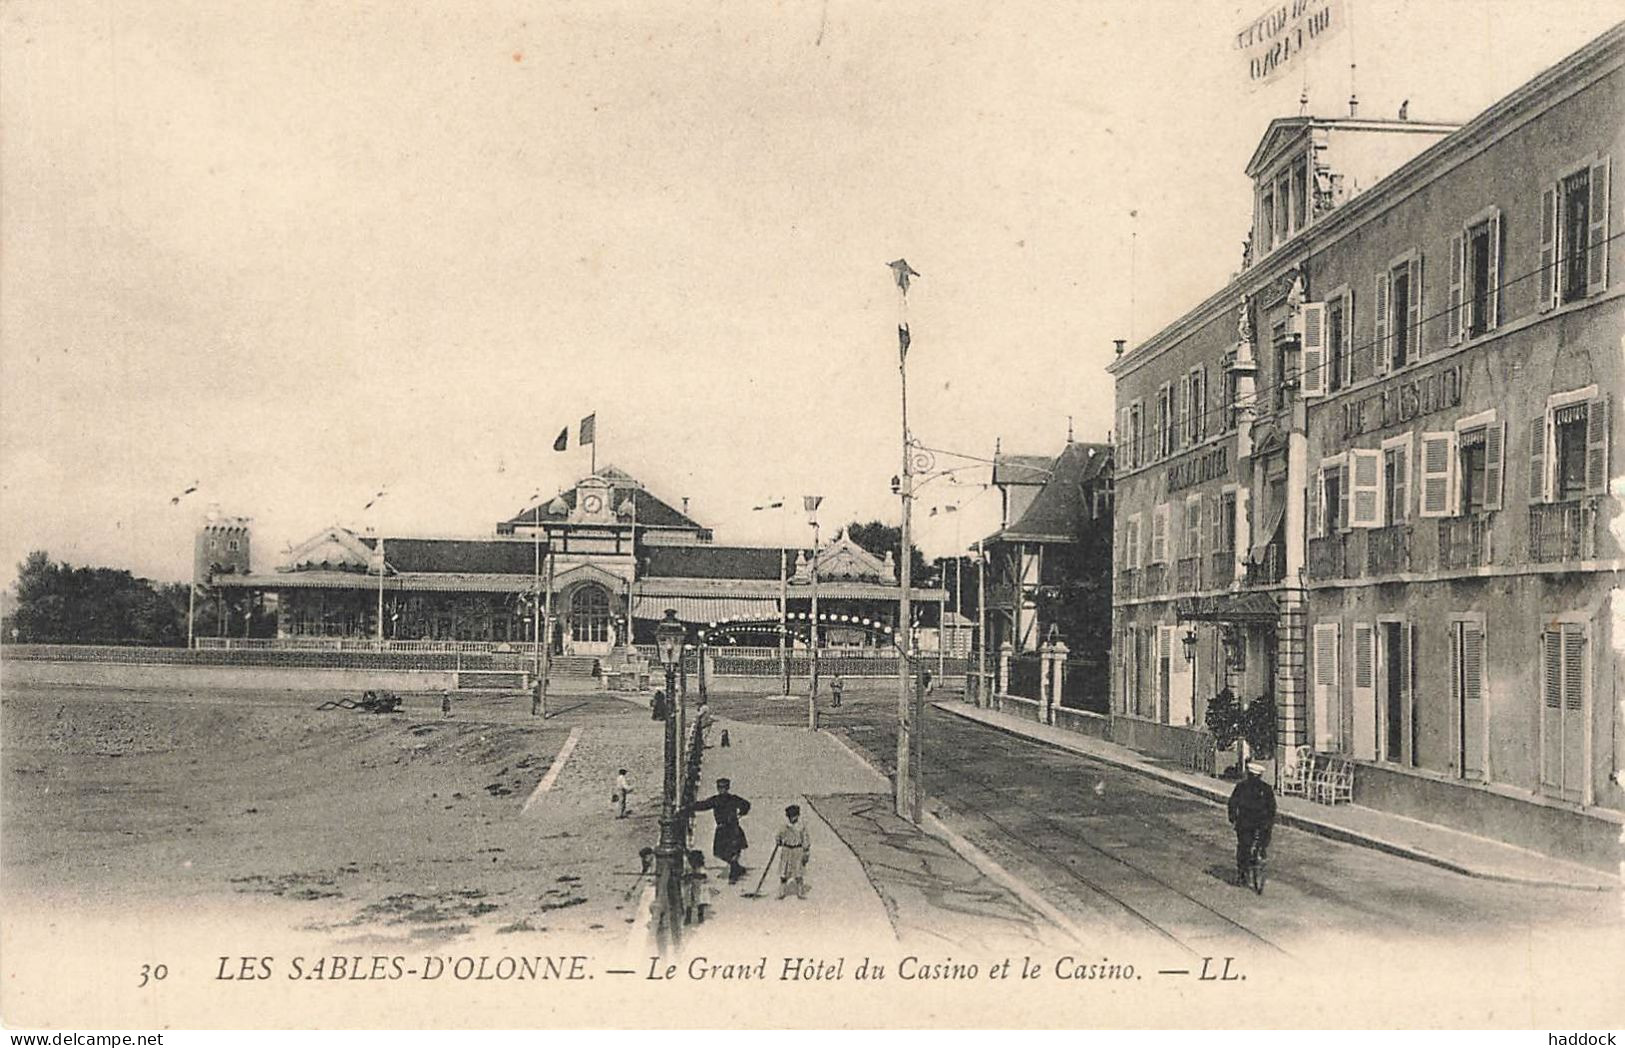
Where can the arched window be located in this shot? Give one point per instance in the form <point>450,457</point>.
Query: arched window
<point>589,614</point>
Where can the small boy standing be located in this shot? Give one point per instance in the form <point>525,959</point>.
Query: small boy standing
<point>836,686</point>
<point>445,703</point>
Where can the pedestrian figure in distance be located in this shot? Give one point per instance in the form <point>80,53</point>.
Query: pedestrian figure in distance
<point>795,847</point>
<point>703,718</point>
<point>925,678</point>
<point>836,686</point>
<point>445,702</point>
<point>621,790</point>
<point>1252,813</point>
<point>536,698</point>
<point>729,842</point>
<point>657,707</point>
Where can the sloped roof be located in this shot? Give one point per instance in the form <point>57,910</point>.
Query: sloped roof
<point>714,562</point>
<point>1021,469</point>
<point>476,556</point>
<point>651,511</point>
<point>1057,511</point>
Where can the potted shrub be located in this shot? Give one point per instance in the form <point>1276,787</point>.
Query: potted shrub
<point>1224,723</point>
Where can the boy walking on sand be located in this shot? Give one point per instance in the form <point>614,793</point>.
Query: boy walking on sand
<point>622,788</point>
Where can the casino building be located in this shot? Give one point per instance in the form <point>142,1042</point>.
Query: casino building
<point>608,556</point>
<point>1370,477</point>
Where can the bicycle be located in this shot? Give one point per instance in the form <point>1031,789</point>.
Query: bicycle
<point>1255,865</point>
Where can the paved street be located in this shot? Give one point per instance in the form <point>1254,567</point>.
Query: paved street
<point>1131,856</point>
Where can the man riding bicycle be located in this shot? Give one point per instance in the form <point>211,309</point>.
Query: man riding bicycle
<point>1252,813</point>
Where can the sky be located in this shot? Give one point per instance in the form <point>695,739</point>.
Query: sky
<point>294,254</point>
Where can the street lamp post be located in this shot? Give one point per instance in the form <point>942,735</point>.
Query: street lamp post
<point>1189,641</point>
<point>669,852</point>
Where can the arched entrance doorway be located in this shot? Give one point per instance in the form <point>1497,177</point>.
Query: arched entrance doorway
<point>592,630</point>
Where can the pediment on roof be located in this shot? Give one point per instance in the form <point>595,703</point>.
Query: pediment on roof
<point>335,549</point>
<point>845,559</point>
<point>587,573</point>
<point>1277,137</point>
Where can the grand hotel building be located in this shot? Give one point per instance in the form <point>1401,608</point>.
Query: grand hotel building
<point>1374,474</point>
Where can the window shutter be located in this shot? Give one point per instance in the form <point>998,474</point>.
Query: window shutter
<point>1215,523</point>
<point>1537,459</point>
<point>1548,247</point>
<point>1325,685</point>
<point>1472,699</point>
<point>1181,412</point>
<point>1551,720</point>
<point>1316,505</point>
<point>1348,338</point>
<point>1597,229</point>
<point>1438,462</point>
<point>1597,446</point>
<point>1159,535</point>
<point>1415,314</point>
<point>1365,692</point>
<point>1201,403</point>
<point>1573,667</point>
<point>1131,542</point>
<point>1379,341</point>
<point>1492,294</point>
<point>1193,526</point>
<point>1402,462</point>
<point>1367,498</point>
<point>1494,456</point>
<point>1312,316</point>
<point>1457,318</point>
<point>1343,493</point>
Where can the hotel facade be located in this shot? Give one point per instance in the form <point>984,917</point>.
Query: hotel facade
<point>1374,477</point>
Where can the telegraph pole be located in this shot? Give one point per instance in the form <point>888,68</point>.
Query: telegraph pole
<point>908,793</point>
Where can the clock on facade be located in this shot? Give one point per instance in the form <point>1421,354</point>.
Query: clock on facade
<point>592,503</point>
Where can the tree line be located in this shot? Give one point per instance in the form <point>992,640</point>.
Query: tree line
<point>59,603</point>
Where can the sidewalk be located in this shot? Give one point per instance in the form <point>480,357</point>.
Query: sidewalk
<point>1352,824</point>
<point>874,881</point>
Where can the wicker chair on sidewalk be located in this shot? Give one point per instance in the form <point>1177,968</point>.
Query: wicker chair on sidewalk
<point>1299,774</point>
<point>1335,782</point>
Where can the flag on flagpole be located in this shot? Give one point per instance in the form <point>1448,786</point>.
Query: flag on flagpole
<point>902,342</point>
<point>902,271</point>
<point>589,426</point>
<point>563,439</point>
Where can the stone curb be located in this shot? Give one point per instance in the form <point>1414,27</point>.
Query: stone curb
<point>1294,819</point>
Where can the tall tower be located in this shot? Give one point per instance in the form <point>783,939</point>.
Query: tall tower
<point>221,547</point>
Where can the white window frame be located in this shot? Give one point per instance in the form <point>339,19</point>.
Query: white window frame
<point>1196,406</point>
<point>1405,444</point>
<point>1460,316</point>
<point>1485,420</point>
<point>1412,261</point>
<point>1340,295</point>
<point>1558,247</point>
<point>1326,686</point>
<point>1482,743</point>
<point>1549,453</point>
<point>1582,622</point>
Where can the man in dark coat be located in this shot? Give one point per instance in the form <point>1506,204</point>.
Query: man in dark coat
<point>657,707</point>
<point>1252,813</point>
<point>729,840</point>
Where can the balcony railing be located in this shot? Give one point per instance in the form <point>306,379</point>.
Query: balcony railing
<point>1127,580</point>
<point>1388,550</point>
<point>1326,559</point>
<point>1269,569</point>
<point>1154,580</point>
<point>1188,574</point>
<point>1562,531</point>
<point>1465,542</point>
<point>1221,569</point>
